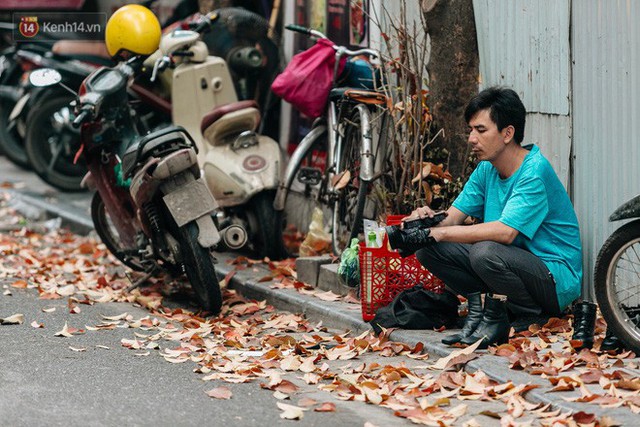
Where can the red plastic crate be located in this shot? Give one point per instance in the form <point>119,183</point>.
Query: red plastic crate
<point>384,274</point>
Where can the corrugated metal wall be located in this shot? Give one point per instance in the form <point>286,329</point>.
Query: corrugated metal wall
<point>524,44</point>
<point>606,91</point>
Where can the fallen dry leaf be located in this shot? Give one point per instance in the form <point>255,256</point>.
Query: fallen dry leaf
<point>290,412</point>
<point>442,363</point>
<point>326,407</point>
<point>15,319</point>
<point>220,393</point>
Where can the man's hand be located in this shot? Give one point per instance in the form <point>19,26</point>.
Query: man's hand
<point>419,213</point>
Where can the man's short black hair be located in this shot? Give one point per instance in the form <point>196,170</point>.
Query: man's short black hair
<point>505,108</point>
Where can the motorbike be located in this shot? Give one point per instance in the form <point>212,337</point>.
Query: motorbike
<point>241,167</point>
<point>617,276</point>
<point>18,99</point>
<point>152,208</point>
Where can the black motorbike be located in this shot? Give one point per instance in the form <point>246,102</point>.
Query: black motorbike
<point>17,102</point>
<point>617,276</point>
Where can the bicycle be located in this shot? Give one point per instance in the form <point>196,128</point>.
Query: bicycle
<point>355,154</point>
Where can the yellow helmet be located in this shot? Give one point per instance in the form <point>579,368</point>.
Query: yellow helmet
<point>133,28</point>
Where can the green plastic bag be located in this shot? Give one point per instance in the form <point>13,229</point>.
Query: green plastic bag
<point>349,268</point>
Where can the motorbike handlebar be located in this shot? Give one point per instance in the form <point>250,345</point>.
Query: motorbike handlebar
<point>298,29</point>
<point>205,23</point>
<point>304,30</point>
<point>81,118</point>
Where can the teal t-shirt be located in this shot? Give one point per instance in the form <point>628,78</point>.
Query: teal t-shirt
<point>534,202</point>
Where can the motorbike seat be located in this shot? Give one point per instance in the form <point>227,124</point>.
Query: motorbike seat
<point>86,51</point>
<point>230,119</point>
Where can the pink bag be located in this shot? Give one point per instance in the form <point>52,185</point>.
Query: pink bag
<point>306,81</point>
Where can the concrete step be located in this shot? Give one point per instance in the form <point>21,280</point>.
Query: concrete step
<point>320,272</point>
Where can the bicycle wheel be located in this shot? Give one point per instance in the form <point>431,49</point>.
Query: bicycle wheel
<point>355,198</point>
<point>305,188</point>
<point>351,191</point>
<point>617,283</point>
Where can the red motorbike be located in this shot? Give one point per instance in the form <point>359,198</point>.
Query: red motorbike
<point>152,209</point>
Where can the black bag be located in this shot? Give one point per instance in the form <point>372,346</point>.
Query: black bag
<point>418,308</point>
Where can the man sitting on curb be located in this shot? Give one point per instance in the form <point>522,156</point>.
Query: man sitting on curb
<point>526,253</point>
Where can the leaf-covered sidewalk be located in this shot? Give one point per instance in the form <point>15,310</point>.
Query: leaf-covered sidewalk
<point>289,356</point>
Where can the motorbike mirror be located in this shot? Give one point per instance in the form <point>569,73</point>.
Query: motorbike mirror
<point>44,77</point>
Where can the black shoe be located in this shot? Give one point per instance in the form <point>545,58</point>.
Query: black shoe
<point>494,326</point>
<point>584,322</point>
<point>610,342</point>
<point>471,321</point>
<point>408,241</point>
<point>522,323</point>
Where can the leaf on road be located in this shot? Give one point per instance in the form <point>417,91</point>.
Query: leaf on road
<point>290,412</point>
<point>220,393</point>
<point>37,325</point>
<point>78,349</point>
<point>306,402</point>
<point>118,317</point>
<point>21,284</point>
<point>15,319</point>
<point>326,407</point>
<point>64,332</point>
<point>280,396</point>
<point>49,309</point>
<point>67,331</point>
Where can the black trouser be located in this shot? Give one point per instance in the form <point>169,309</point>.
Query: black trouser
<point>494,268</point>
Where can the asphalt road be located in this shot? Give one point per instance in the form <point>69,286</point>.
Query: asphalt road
<point>43,381</point>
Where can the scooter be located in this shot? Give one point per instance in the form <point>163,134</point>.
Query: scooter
<point>617,276</point>
<point>241,168</point>
<point>152,209</point>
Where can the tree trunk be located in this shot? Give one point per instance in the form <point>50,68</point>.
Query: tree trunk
<point>453,74</point>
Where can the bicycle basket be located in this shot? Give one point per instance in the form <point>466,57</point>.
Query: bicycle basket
<point>306,81</point>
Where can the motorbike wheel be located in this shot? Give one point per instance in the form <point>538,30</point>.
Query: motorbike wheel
<point>617,283</point>
<point>266,227</point>
<point>51,144</point>
<point>11,143</point>
<point>198,265</point>
<point>109,235</point>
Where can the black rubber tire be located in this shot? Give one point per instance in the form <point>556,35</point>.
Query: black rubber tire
<point>11,142</point>
<point>349,204</point>
<point>198,265</point>
<point>108,235</point>
<point>266,227</point>
<point>624,242</point>
<point>42,139</point>
<point>320,144</point>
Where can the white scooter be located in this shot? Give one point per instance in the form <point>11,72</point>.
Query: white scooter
<point>241,168</point>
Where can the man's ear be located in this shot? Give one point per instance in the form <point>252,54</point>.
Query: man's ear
<point>508,133</point>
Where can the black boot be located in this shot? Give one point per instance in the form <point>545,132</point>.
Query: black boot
<point>584,322</point>
<point>408,241</point>
<point>494,326</point>
<point>610,342</point>
<point>471,322</point>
